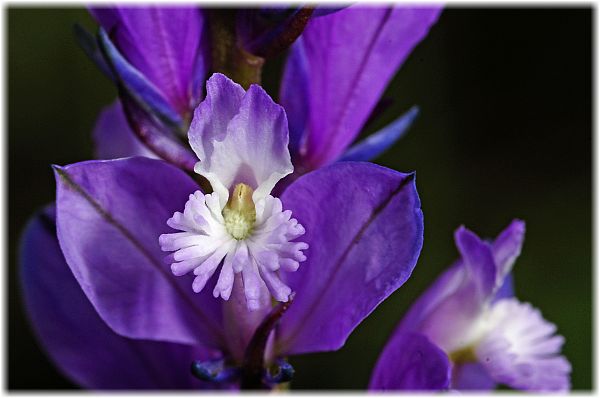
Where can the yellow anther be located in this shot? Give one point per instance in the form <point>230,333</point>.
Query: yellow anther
<point>240,212</point>
<point>463,355</point>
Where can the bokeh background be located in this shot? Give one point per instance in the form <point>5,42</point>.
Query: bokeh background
<point>505,131</point>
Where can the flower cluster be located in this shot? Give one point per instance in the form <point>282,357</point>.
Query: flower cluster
<point>224,232</point>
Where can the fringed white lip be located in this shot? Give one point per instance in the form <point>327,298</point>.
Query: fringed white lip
<point>205,243</point>
<point>519,348</point>
<point>241,140</point>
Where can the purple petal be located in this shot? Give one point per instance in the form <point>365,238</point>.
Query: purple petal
<point>212,116</point>
<point>351,56</point>
<point>109,217</point>
<point>295,97</point>
<point>76,338</point>
<point>441,290</point>
<point>507,289</point>
<point>153,134</point>
<point>457,298</point>
<point>162,142</point>
<point>167,44</point>
<point>472,376</point>
<point>364,228</point>
<point>478,260</point>
<point>137,86</point>
<point>450,307</point>
<point>113,137</point>
<point>411,362</point>
<point>240,137</point>
<point>507,247</point>
<point>456,280</point>
<point>378,142</point>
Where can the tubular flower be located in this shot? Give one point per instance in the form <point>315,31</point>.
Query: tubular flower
<point>488,336</point>
<point>114,218</point>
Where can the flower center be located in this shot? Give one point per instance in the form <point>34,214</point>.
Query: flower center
<point>463,355</point>
<point>240,213</point>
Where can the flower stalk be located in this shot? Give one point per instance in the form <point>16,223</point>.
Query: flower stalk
<point>226,54</point>
<point>254,359</point>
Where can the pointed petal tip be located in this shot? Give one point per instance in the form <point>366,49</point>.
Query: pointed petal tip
<point>460,231</point>
<point>384,271</point>
<point>412,113</point>
<point>464,237</point>
<point>518,223</point>
<point>377,143</point>
<point>516,227</point>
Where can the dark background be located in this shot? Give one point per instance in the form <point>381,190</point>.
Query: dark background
<point>505,131</point>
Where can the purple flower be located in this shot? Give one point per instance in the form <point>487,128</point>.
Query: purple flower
<point>470,314</point>
<point>167,45</point>
<point>111,213</point>
<point>334,76</point>
<point>362,227</point>
<point>114,139</point>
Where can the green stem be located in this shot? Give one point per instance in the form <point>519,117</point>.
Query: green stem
<point>227,56</point>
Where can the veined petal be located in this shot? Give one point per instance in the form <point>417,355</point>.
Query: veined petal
<point>113,138</point>
<point>364,228</point>
<point>167,44</point>
<point>109,217</point>
<point>410,362</point>
<point>240,137</point>
<point>351,56</point>
<point>77,340</point>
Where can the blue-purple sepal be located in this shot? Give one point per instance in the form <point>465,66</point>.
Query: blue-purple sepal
<point>135,85</point>
<point>89,45</point>
<point>215,371</point>
<point>378,142</point>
